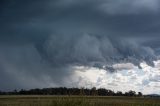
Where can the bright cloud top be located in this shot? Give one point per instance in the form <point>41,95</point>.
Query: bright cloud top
<point>146,80</point>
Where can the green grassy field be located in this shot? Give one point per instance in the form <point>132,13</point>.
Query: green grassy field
<point>76,101</point>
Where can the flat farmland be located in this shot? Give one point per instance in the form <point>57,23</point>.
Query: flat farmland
<point>37,100</point>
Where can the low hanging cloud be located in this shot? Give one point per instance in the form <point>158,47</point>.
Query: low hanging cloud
<point>95,51</point>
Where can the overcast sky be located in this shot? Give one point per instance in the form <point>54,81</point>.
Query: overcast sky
<point>80,43</point>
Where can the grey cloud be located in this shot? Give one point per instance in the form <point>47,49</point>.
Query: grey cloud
<point>41,18</point>
<point>126,66</point>
<point>130,7</point>
<point>155,78</point>
<point>112,84</point>
<point>96,51</point>
<point>23,67</point>
<point>46,38</point>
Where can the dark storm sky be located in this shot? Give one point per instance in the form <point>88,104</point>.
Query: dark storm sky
<point>42,39</point>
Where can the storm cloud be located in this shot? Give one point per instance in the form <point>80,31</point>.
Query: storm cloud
<point>42,41</point>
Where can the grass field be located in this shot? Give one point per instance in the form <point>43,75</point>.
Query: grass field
<point>76,101</point>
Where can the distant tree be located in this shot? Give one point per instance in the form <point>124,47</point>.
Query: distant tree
<point>71,91</point>
<point>130,93</point>
<point>140,94</point>
<point>110,93</point>
<point>82,92</point>
<point>93,91</point>
<point>15,92</point>
<point>119,93</point>
<point>102,92</point>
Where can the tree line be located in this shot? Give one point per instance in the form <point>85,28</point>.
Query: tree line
<point>72,91</point>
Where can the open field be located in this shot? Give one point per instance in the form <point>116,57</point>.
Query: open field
<point>76,101</point>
